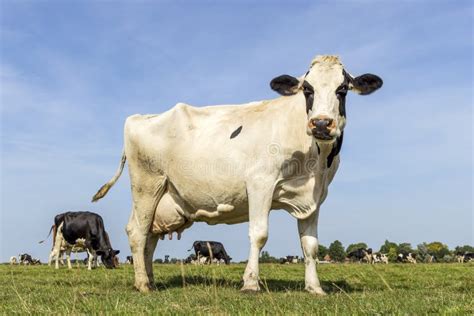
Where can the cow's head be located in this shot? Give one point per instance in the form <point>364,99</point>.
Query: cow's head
<point>324,87</point>
<point>108,257</point>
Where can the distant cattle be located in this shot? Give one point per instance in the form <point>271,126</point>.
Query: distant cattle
<point>211,249</point>
<point>129,260</point>
<point>289,259</point>
<point>380,258</point>
<point>26,259</point>
<point>13,260</point>
<point>83,230</point>
<point>360,255</point>
<point>466,257</point>
<point>407,257</point>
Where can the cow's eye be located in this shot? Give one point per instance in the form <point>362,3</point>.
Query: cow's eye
<point>342,91</point>
<point>307,91</point>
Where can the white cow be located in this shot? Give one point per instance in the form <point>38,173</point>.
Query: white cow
<point>234,163</point>
<point>13,260</point>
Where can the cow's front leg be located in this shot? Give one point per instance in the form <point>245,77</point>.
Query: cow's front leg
<point>259,207</point>
<point>308,230</point>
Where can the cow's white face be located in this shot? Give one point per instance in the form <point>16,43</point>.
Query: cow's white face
<point>324,87</point>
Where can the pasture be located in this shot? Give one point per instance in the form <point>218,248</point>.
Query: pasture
<point>351,288</point>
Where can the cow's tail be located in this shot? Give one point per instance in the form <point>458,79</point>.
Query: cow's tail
<point>50,230</point>
<point>192,247</point>
<point>106,187</point>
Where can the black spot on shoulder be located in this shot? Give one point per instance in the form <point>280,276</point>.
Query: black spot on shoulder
<point>236,132</point>
<point>335,150</point>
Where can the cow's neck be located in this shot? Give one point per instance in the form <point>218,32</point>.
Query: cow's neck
<point>328,152</point>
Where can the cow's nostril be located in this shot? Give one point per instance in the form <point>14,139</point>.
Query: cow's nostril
<point>322,124</point>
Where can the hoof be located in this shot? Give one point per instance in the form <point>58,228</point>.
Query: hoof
<point>317,291</point>
<point>143,288</point>
<point>250,289</point>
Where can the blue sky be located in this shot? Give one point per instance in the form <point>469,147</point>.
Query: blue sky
<point>71,72</point>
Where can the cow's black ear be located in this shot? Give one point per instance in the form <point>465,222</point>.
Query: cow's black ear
<point>285,85</point>
<point>116,252</point>
<point>365,84</point>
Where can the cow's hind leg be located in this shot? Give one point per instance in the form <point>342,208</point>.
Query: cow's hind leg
<point>150,247</point>
<point>308,230</point>
<point>68,258</point>
<point>147,190</point>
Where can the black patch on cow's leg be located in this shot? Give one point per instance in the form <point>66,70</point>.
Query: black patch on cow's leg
<point>236,132</point>
<point>335,149</point>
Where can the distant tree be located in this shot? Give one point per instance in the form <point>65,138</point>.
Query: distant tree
<point>336,251</point>
<point>160,261</point>
<point>322,252</point>
<point>447,259</point>
<point>438,250</point>
<point>385,248</point>
<point>392,254</point>
<point>423,252</point>
<point>173,260</point>
<point>356,246</point>
<point>460,250</point>
<point>265,257</point>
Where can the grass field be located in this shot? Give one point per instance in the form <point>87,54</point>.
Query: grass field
<point>351,288</point>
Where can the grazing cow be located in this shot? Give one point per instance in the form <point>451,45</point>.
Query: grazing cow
<point>380,258</point>
<point>90,228</point>
<point>289,259</point>
<point>13,260</point>
<point>410,257</point>
<point>190,259</point>
<point>211,249</point>
<point>360,255</point>
<point>234,163</point>
<point>468,256</point>
<point>27,259</point>
<point>129,260</point>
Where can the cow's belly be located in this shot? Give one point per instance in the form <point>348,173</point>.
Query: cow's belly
<point>177,210</point>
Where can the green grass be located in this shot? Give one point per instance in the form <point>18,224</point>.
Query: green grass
<point>351,288</point>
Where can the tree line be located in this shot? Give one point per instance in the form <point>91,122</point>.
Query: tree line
<point>425,252</point>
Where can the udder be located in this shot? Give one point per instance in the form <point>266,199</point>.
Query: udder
<point>168,218</point>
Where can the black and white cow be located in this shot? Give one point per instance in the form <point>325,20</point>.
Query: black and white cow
<point>88,228</point>
<point>360,255</point>
<point>289,259</point>
<point>407,257</point>
<point>27,259</point>
<point>465,257</point>
<point>210,249</point>
<point>379,258</point>
<point>129,260</point>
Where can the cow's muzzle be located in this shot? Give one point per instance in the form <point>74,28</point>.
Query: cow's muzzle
<point>322,127</point>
